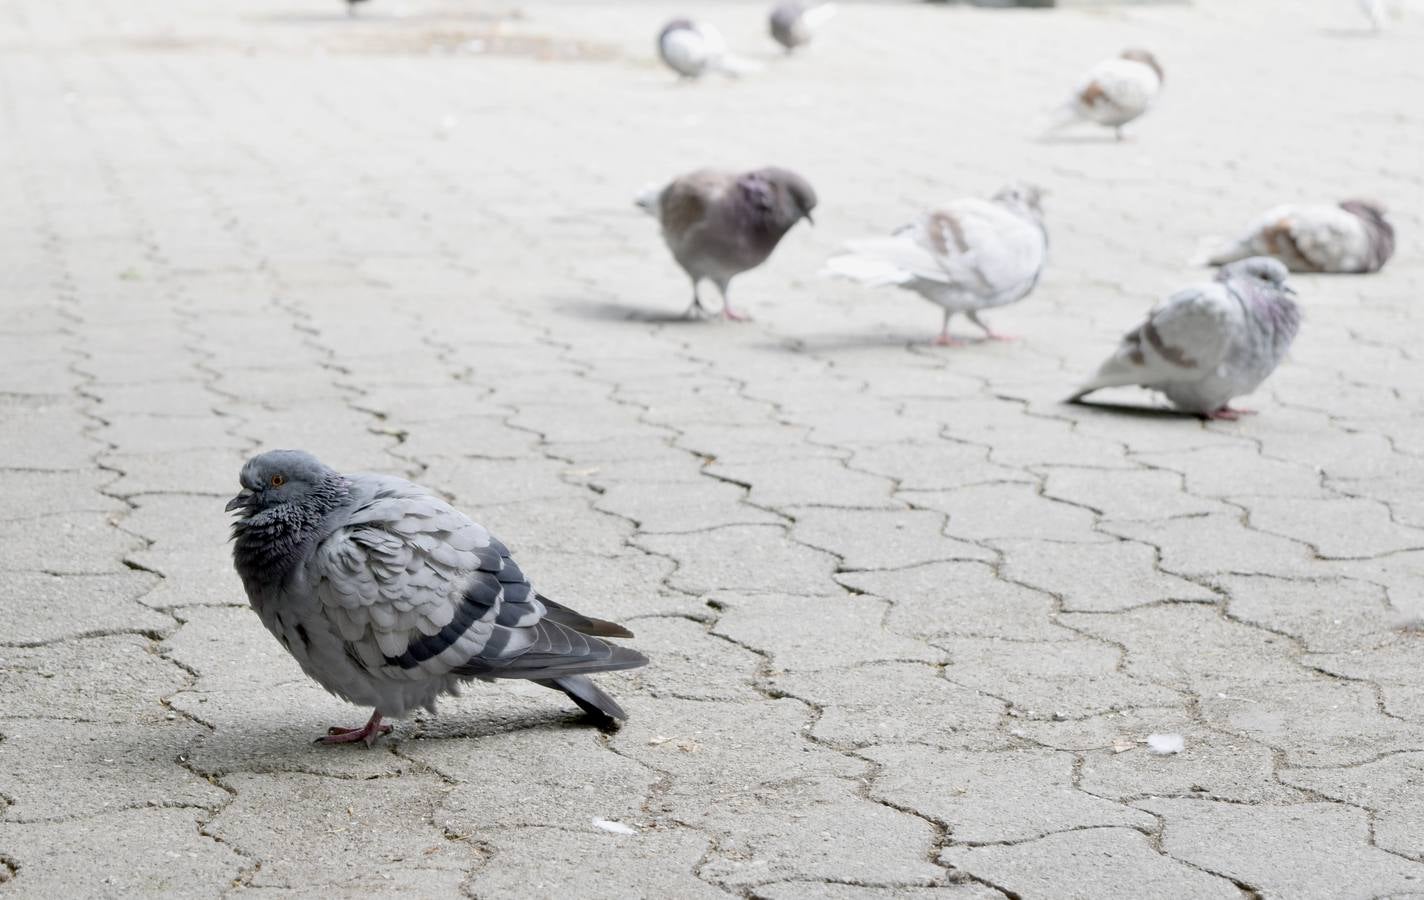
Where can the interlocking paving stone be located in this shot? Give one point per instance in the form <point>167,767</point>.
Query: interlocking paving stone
<point>868,571</point>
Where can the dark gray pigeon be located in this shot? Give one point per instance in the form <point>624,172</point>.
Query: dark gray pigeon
<point>1353,236</point>
<point>793,24</point>
<point>389,597</point>
<point>719,224</point>
<point>1205,345</point>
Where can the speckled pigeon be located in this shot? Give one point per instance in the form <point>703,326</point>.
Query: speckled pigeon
<point>965,257</point>
<point>1205,345</point>
<point>1115,91</point>
<point>1350,237</point>
<point>793,23</point>
<point>719,224</point>
<point>389,597</point>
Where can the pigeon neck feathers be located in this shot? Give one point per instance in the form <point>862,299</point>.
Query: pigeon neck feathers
<point>268,544</point>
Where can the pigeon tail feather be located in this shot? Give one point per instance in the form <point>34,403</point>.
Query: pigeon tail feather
<point>590,698</point>
<point>866,269</point>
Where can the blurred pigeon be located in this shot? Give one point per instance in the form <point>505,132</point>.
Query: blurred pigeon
<point>1115,91</point>
<point>719,224</point>
<point>692,49</point>
<point>351,6</point>
<point>1209,343</point>
<point>793,24</point>
<point>1375,11</point>
<point>389,597</point>
<point>965,257</point>
<point>1350,237</point>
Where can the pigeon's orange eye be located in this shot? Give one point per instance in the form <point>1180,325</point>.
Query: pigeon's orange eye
<point>279,480</point>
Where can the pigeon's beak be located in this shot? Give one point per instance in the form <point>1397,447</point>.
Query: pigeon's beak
<point>239,502</point>
<point>1288,289</point>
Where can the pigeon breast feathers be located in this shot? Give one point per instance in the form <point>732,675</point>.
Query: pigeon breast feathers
<point>1186,337</point>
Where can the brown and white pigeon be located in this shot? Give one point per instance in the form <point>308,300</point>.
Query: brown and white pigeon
<point>794,24</point>
<point>719,224</point>
<point>1115,91</point>
<point>389,597</point>
<point>965,257</point>
<point>1208,344</point>
<point>1352,236</point>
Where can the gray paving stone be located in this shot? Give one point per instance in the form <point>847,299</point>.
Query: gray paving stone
<point>85,543</point>
<point>959,598</point>
<point>742,558</point>
<point>103,679</point>
<point>30,493</point>
<point>53,769</point>
<point>1097,577</point>
<point>988,511</point>
<point>807,482</point>
<point>881,539</point>
<point>212,472</point>
<point>885,703</point>
<point>1093,863</point>
<point>1126,494</point>
<point>1340,528</point>
<point>113,855</point>
<point>1289,850</point>
<point>546,862</point>
<point>1328,614</point>
<point>806,890</point>
<point>672,507</point>
<point>324,828</point>
<point>1393,787</point>
<point>938,466</point>
<point>1212,766</point>
<point>811,633</point>
<point>996,796</point>
<point>44,433</point>
<point>691,663</point>
<point>1049,678</point>
<point>1216,545</point>
<point>39,608</point>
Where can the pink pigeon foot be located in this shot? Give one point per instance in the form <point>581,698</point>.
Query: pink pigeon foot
<point>1228,414</point>
<point>732,315</point>
<point>944,340</point>
<point>368,733</point>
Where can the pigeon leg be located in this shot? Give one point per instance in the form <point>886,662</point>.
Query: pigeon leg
<point>696,310</point>
<point>944,339</point>
<point>1118,130</point>
<point>1229,414</point>
<point>368,732</point>
<point>989,333</point>
<point>728,313</point>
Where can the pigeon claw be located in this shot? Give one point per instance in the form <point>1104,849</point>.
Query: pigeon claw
<point>368,733</point>
<point>1228,414</point>
<point>944,340</point>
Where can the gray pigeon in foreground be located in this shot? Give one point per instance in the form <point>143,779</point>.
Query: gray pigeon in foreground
<point>1205,345</point>
<point>1350,237</point>
<point>793,24</point>
<point>965,257</point>
<point>389,597</point>
<point>719,224</point>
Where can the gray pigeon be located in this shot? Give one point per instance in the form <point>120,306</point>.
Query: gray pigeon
<point>1350,237</point>
<point>389,597</point>
<point>1210,343</point>
<point>719,224</point>
<point>965,257</point>
<point>793,24</point>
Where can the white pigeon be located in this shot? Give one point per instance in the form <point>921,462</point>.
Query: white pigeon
<point>794,24</point>
<point>1115,91</point>
<point>1208,344</point>
<point>1352,236</point>
<point>965,257</point>
<point>1375,11</point>
<point>693,49</point>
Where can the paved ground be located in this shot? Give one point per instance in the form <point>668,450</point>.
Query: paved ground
<point>911,619</point>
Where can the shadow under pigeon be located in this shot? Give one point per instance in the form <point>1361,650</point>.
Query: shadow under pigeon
<point>1132,409</point>
<point>622,312</point>
<point>1084,138</point>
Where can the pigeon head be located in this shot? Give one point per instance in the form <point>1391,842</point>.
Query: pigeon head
<point>291,479</point>
<point>1023,198</point>
<point>1260,271</point>
<point>1380,231</point>
<point>793,197</point>
<point>1137,54</point>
